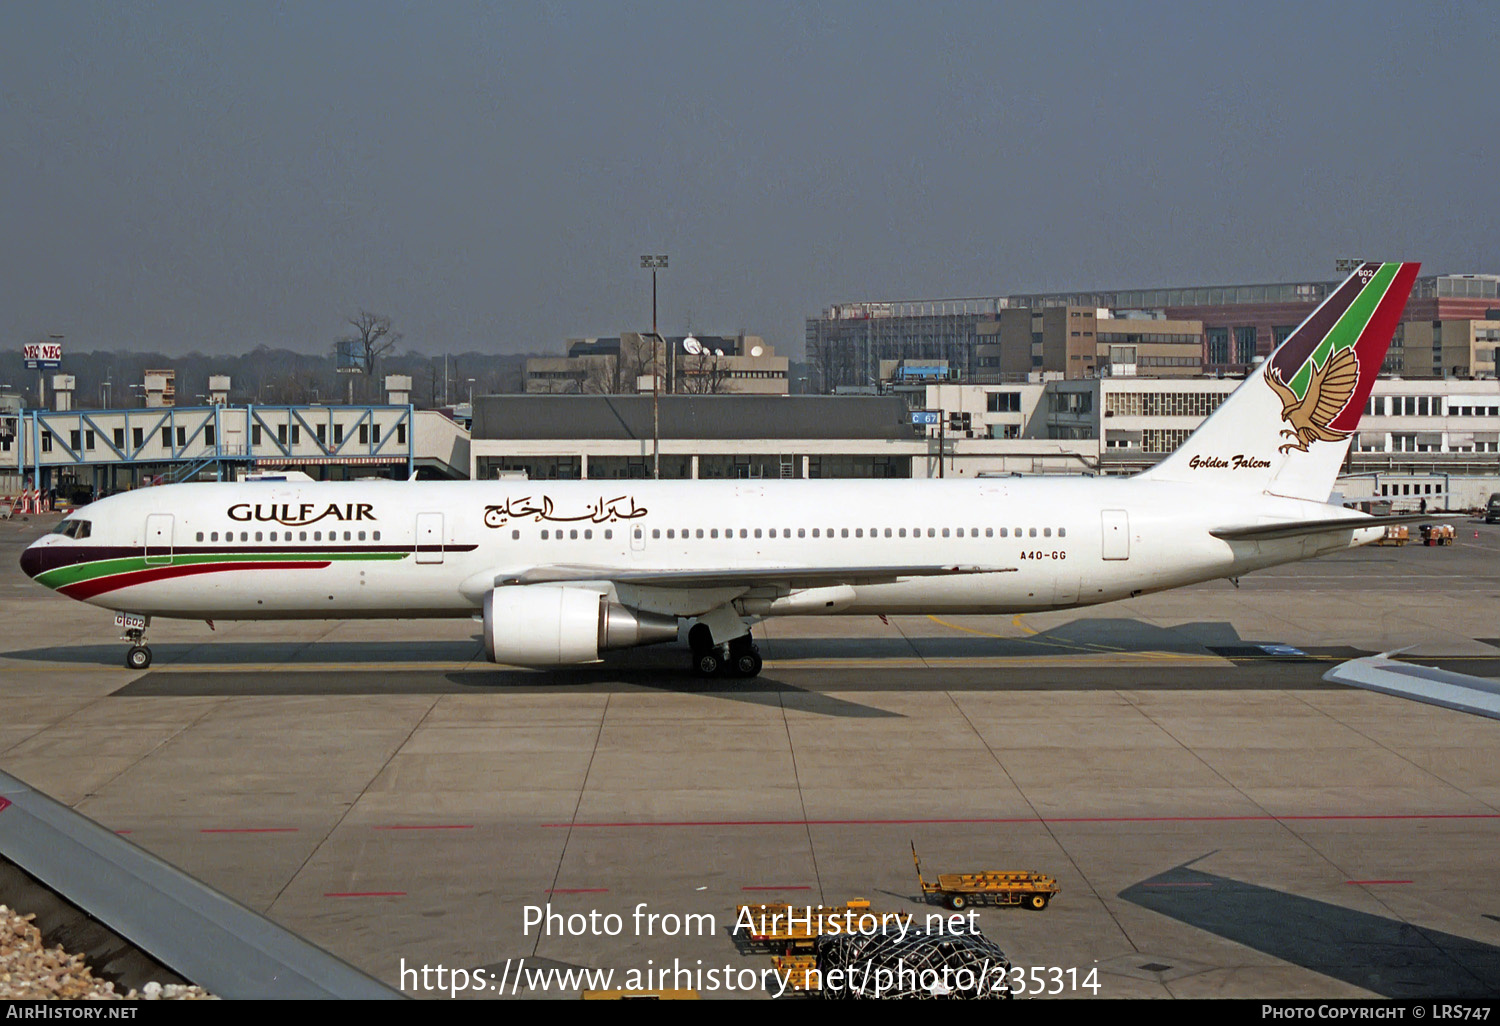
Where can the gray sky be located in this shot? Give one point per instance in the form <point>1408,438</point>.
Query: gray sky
<point>215,176</point>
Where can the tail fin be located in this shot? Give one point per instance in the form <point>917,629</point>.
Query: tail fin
<point>1286,429</point>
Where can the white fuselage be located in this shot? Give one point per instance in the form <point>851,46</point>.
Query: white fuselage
<point>298,549</point>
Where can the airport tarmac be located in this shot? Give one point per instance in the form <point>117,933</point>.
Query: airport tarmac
<point>1221,821</point>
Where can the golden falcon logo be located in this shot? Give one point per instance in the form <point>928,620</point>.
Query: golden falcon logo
<point>1328,392</point>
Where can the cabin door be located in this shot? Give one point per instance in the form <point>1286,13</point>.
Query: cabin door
<point>1116,534</point>
<point>159,538</point>
<point>429,537</point>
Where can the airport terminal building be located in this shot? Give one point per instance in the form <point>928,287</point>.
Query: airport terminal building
<point>1431,438</point>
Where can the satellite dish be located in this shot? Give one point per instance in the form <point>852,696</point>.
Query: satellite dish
<point>718,352</point>
<point>692,345</point>
<point>756,350</point>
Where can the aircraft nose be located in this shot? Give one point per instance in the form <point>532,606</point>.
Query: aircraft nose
<point>31,560</point>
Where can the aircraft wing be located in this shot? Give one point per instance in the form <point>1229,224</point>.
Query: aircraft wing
<point>475,587</point>
<point>797,576</point>
<point>1477,695</point>
<point>1326,525</point>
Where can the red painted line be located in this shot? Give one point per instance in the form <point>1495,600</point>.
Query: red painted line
<point>248,830</point>
<point>579,890</point>
<point>434,826</point>
<point>124,832</point>
<point>1032,819</point>
<point>99,585</point>
<point>792,887</point>
<point>364,894</point>
<point>1370,882</point>
<point>4,804</point>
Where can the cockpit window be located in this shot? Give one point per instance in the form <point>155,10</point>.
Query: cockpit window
<point>73,528</point>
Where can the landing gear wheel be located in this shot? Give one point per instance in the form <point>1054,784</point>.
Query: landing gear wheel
<point>707,664</point>
<point>956,902</point>
<point>747,664</point>
<point>744,657</point>
<point>1036,902</point>
<point>138,658</point>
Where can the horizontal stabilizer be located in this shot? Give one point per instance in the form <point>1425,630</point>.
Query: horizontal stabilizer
<point>1326,525</point>
<point>1477,695</point>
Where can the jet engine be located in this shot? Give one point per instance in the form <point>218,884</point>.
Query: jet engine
<point>542,625</point>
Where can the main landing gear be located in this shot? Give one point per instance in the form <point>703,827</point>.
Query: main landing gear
<point>737,658</point>
<point>139,656</point>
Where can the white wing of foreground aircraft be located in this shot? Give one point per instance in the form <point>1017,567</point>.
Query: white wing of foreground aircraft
<point>1477,695</point>
<point>561,571</point>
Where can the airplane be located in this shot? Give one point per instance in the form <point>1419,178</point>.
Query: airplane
<point>558,572</point>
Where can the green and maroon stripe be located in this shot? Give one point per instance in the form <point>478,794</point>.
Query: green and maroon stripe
<point>114,582</point>
<point>87,579</point>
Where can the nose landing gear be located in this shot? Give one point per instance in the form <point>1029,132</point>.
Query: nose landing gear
<point>139,656</point>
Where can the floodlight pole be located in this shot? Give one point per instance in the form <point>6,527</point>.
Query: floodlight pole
<point>654,263</point>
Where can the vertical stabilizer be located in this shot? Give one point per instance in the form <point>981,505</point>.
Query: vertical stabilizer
<point>1286,429</point>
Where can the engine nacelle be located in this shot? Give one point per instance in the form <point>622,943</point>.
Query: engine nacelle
<point>542,625</point>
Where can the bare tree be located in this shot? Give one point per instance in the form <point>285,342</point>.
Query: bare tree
<point>601,375</point>
<point>704,374</point>
<point>638,356</point>
<point>370,339</point>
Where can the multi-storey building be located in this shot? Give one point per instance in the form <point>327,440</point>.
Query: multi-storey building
<point>1451,328</point>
